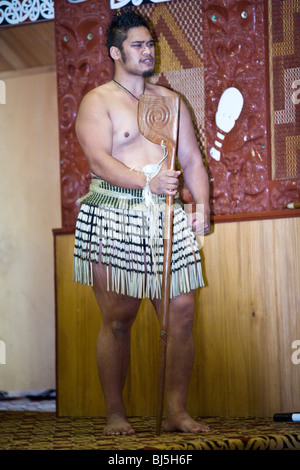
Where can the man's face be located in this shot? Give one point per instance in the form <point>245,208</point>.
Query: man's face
<point>138,53</point>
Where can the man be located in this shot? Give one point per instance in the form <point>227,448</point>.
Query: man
<point>116,247</point>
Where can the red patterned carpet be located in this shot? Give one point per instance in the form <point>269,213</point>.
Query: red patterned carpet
<point>36,430</point>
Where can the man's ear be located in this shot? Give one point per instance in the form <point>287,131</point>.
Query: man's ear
<point>115,53</point>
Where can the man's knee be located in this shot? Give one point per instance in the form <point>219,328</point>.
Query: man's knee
<point>119,317</point>
<point>182,313</point>
<point>120,328</point>
<point>184,303</point>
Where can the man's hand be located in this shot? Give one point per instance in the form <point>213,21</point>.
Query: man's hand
<point>199,222</point>
<point>165,182</point>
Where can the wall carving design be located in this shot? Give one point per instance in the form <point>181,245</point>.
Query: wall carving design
<point>114,4</point>
<point>13,12</point>
<point>82,64</point>
<point>235,56</point>
<point>204,48</point>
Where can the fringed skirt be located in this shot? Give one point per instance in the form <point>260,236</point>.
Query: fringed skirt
<point>113,228</point>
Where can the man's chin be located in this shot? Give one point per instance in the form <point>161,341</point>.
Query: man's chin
<point>148,73</point>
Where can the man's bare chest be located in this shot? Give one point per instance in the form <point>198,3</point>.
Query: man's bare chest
<point>129,145</point>
<point>125,123</point>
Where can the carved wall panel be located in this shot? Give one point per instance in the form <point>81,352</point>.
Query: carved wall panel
<point>236,49</point>
<point>236,56</point>
<point>82,64</point>
<point>203,48</point>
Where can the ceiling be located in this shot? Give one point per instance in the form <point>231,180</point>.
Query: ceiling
<point>27,45</point>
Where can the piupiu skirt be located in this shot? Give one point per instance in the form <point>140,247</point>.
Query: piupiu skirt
<point>114,227</point>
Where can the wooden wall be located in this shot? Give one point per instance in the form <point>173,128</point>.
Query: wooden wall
<point>247,318</point>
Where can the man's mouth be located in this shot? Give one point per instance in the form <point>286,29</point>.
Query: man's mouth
<point>148,61</point>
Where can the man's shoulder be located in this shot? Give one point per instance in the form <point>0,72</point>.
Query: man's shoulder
<point>97,95</point>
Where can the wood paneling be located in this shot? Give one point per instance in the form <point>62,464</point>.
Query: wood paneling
<point>247,318</point>
<point>27,45</point>
<point>250,315</point>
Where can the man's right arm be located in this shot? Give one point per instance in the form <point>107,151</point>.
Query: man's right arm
<point>94,130</point>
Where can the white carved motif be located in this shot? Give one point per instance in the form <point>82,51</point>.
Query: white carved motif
<point>121,3</point>
<point>229,109</point>
<point>14,11</point>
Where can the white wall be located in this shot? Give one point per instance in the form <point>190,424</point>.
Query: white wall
<point>29,210</point>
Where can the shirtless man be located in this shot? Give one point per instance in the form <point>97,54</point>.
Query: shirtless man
<point>116,151</point>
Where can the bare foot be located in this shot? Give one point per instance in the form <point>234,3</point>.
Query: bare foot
<point>118,425</point>
<point>184,423</point>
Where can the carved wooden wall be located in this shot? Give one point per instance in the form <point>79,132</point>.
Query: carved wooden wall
<point>237,51</point>
<point>204,47</point>
<point>236,56</point>
<point>82,64</point>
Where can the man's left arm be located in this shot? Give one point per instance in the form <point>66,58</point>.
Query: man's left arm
<point>195,174</point>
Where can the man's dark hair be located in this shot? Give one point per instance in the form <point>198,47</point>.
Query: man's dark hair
<point>121,23</point>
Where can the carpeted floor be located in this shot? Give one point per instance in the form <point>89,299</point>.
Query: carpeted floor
<point>36,430</point>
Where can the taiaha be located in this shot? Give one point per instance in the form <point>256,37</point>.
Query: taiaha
<point>158,118</point>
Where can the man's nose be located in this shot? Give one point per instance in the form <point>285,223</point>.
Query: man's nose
<point>147,50</point>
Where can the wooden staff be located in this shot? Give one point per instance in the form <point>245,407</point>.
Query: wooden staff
<point>158,121</point>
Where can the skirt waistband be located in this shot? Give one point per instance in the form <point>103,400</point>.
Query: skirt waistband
<point>102,193</point>
<point>103,187</point>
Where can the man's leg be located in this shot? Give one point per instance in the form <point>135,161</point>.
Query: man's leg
<point>180,356</point>
<point>118,313</point>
